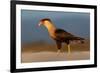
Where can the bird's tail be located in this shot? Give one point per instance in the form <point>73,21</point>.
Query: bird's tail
<point>80,39</point>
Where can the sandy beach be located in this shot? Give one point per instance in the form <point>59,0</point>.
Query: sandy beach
<point>43,52</point>
<point>53,56</point>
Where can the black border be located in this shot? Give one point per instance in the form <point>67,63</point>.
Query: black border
<point>13,36</point>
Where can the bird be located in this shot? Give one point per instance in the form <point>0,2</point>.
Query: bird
<point>59,35</point>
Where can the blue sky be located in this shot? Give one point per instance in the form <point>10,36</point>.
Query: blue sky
<point>73,22</point>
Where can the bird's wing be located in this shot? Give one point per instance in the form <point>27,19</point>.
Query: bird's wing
<point>62,34</point>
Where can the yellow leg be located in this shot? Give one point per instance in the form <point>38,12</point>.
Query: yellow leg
<point>69,51</point>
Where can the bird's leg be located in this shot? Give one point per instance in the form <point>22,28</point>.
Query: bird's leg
<point>69,49</point>
<point>58,46</point>
<point>68,45</point>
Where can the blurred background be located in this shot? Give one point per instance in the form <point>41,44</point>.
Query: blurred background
<point>73,22</point>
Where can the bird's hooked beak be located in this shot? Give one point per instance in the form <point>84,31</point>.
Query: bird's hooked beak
<point>40,24</point>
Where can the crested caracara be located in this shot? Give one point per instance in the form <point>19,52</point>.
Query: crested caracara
<point>59,35</point>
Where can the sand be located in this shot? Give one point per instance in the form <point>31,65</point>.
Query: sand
<point>28,57</point>
<point>43,52</point>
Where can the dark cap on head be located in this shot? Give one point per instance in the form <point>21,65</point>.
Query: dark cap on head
<point>45,19</point>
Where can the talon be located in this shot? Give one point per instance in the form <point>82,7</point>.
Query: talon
<point>58,52</point>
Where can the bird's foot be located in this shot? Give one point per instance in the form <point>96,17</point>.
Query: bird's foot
<point>58,52</point>
<point>69,53</point>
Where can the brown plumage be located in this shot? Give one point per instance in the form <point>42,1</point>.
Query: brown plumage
<point>59,35</point>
